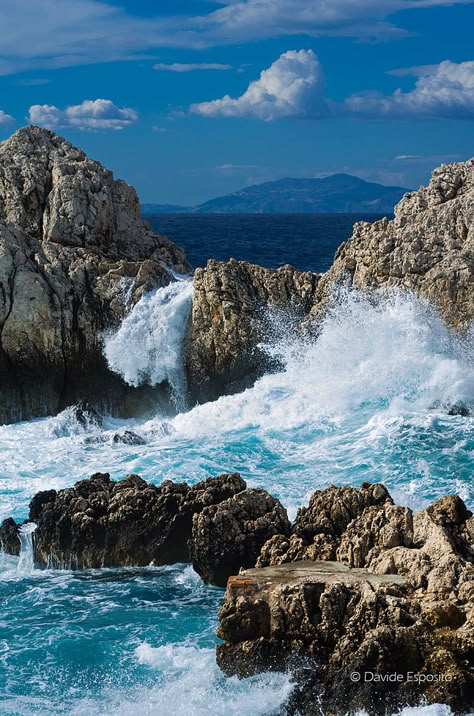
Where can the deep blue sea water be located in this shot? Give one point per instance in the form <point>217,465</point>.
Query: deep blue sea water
<point>307,241</point>
<point>370,400</point>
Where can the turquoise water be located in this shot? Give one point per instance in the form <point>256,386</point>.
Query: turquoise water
<point>369,400</point>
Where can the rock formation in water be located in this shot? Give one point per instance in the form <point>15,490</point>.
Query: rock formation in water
<point>230,317</point>
<point>74,254</point>
<point>229,536</point>
<point>428,248</point>
<point>102,523</point>
<point>389,624</point>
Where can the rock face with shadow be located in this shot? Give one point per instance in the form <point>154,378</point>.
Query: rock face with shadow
<point>103,523</point>
<point>74,257</point>
<point>237,305</point>
<point>369,605</point>
<point>229,536</point>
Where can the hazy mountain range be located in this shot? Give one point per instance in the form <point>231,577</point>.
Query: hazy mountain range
<point>338,193</point>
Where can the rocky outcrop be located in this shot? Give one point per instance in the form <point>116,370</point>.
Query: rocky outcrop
<point>428,248</point>
<point>231,315</point>
<point>74,256</point>
<point>318,528</point>
<point>102,523</point>
<point>389,624</point>
<point>229,535</point>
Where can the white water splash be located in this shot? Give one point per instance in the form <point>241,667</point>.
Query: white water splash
<point>27,555</point>
<point>147,348</point>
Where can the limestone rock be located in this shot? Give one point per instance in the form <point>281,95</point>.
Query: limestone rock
<point>102,523</point>
<point>230,535</point>
<point>427,248</point>
<point>398,600</point>
<point>74,255</point>
<point>230,317</point>
<point>317,531</point>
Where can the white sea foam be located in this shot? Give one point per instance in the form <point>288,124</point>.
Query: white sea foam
<point>147,348</point>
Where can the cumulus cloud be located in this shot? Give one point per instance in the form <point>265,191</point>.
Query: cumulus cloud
<point>5,118</point>
<point>89,115</point>
<point>292,87</point>
<point>190,67</point>
<point>444,91</point>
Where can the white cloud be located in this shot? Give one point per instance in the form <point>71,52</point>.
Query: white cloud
<point>292,87</point>
<point>160,130</point>
<point>444,91</point>
<point>190,67</point>
<point>89,115</point>
<point>62,33</point>
<point>5,118</point>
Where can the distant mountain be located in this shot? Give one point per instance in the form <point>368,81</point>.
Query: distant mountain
<point>336,194</point>
<point>166,209</point>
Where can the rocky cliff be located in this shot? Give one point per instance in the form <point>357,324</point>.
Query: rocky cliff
<point>74,254</point>
<point>232,306</point>
<point>428,249</point>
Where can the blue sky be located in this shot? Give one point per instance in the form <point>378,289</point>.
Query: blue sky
<point>190,99</point>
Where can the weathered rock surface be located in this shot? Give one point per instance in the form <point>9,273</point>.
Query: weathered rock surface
<point>399,601</point>
<point>229,535</point>
<point>318,528</point>
<point>74,255</point>
<point>230,318</point>
<point>428,249</point>
<point>102,523</point>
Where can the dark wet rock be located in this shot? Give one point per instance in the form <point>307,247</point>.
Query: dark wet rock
<point>128,438</point>
<point>229,536</point>
<point>405,608</point>
<point>102,523</point>
<point>87,415</point>
<point>75,256</point>
<point>317,531</point>
<point>459,409</point>
<point>9,539</point>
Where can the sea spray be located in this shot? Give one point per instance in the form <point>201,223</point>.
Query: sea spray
<point>147,348</point>
<point>27,554</point>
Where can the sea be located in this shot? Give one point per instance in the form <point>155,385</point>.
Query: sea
<point>370,399</point>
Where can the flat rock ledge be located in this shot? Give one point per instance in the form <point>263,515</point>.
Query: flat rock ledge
<point>369,606</point>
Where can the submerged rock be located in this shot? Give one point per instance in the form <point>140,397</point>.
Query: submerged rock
<point>229,535</point>
<point>102,523</point>
<point>74,255</point>
<point>128,437</point>
<point>396,609</point>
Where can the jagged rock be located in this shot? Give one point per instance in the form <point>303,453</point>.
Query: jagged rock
<point>427,248</point>
<point>9,539</point>
<point>128,437</point>
<point>102,523</point>
<point>409,612</point>
<point>230,318</point>
<point>230,535</point>
<point>74,256</point>
<point>87,415</point>
<point>317,531</point>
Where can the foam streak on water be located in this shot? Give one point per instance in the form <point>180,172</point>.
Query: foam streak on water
<point>370,399</point>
